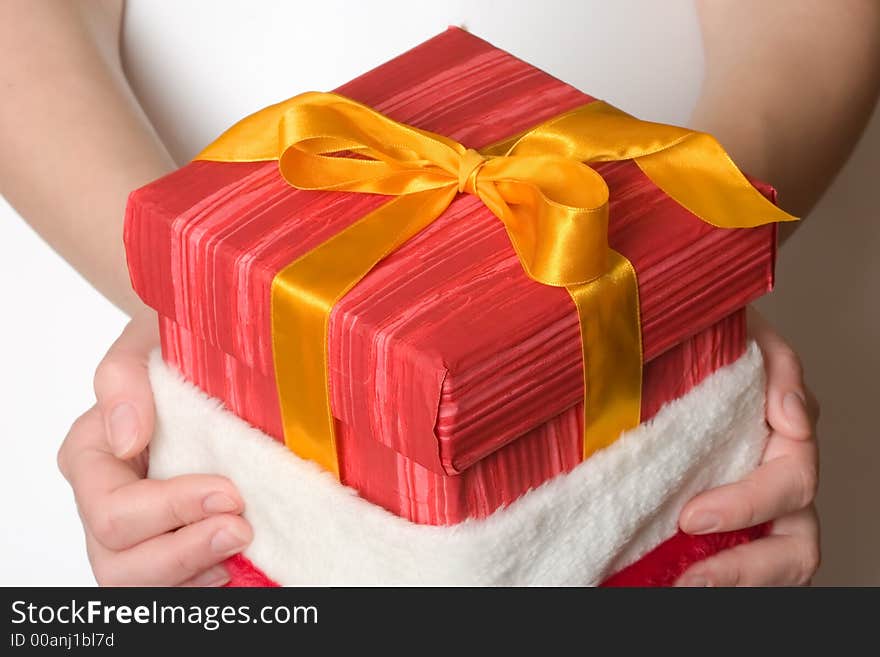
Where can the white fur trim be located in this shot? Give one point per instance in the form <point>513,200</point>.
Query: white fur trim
<point>576,529</point>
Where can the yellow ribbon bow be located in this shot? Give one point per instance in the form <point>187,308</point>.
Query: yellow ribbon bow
<point>552,204</point>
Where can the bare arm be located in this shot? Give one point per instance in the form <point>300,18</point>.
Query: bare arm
<point>789,87</point>
<point>75,141</point>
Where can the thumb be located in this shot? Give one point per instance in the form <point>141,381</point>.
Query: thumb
<point>789,405</point>
<point>122,387</point>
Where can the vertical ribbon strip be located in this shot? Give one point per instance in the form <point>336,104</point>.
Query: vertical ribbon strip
<point>552,204</point>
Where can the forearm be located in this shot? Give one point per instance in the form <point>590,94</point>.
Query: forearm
<point>789,87</point>
<point>75,140</point>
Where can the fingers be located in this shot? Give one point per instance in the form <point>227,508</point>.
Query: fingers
<point>123,390</point>
<point>184,556</point>
<point>785,483</point>
<point>85,462</point>
<point>149,532</point>
<point>214,576</point>
<point>82,434</point>
<point>126,516</point>
<point>121,508</point>
<point>788,477</point>
<point>781,559</point>
<point>791,409</point>
<point>781,489</point>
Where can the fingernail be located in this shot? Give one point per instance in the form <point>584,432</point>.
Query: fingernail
<point>123,427</point>
<point>703,522</point>
<point>693,581</point>
<point>795,409</point>
<point>225,542</point>
<point>219,503</point>
<point>216,576</point>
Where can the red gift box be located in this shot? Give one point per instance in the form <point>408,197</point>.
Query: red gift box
<point>456,380</point>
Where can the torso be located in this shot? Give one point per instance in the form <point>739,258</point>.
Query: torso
<point>199,67</point>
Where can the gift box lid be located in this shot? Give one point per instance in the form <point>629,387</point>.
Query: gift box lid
<point>446,351</point>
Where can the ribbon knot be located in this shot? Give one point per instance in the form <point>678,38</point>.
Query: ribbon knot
<point>468,170</point>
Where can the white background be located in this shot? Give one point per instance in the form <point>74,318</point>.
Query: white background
<point>199,66</point>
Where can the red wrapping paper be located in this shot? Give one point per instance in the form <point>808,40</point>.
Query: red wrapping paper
<point>456,380</point>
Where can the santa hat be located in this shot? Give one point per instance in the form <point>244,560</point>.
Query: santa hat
<point>612,520</point>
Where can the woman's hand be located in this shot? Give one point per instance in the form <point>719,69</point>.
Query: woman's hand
<point>781,490</point>
<point>142,531</point>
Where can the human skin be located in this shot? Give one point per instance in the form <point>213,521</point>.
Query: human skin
<point>68,111</point>
<point>758,58</point>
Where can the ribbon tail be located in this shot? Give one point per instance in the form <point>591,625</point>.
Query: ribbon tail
<point>611,340</point>
<point>713,188</point>
<point>303,295</point>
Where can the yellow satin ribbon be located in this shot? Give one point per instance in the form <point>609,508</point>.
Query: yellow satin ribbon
<point>554,207</point>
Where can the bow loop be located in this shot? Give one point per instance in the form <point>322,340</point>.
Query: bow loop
<point>553,206</point>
